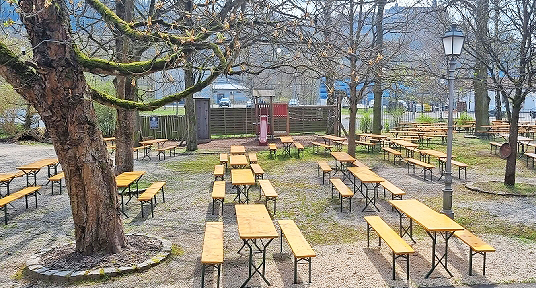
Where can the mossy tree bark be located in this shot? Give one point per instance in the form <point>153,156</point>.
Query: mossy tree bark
<point>57,89</point>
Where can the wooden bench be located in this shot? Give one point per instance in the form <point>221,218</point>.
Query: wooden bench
<point>425,166</point>
<point>494,145</point>
<point>56,178</point>
<point>398,246</point>
<point>396,193</point>
<point>273,149</point>
<point>150,194</point>
<point>298,244</point>
<point>299,147</point>
<point>219,171</point>
<point>477,247</point>
<point>396,154</point>
<point>257,171</point>
<point>344,191</point>
<point>252,156</point>
<point>317,145</point>
<point>268,191</point>
<point>410,151</point>
<point>370,146</point>
<point>224,160</point>
<point>461,166</point>
<point>162,151</point>
<point>531,156</point>
<point>339,144</point>
<point>218,194</point>
<point>212,254</point>
<point>28,191</point>
<point>358,163</point>
<point>137,149</point>
<point>326,169</point>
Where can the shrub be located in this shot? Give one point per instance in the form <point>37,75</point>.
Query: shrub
<point>365,123</point>
<point>464,119</point>
<point>425,119</point>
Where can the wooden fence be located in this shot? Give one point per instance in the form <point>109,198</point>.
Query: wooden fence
<point>242,120</point>
<point>171,127</point>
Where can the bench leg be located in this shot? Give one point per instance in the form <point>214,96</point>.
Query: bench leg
<point>213,200</point>
<point>141,204</point>
<point>152,208</point>
<point>295,270</point>
<point>202,275</point>
<point>5,214</point>
<point>394,258</point>
<point>470,261</point>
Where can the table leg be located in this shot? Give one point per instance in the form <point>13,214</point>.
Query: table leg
<point>370,200</point>
<point>441,258</point>
<point>252,267</point>
<point>405,230</point>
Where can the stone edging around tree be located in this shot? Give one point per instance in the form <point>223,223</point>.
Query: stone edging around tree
<point>476,189</point>
<point>36,270</point>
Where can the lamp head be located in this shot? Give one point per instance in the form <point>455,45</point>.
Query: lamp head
<point>453,41</point>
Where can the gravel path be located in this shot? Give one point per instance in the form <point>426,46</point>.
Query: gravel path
<point>343,259</point>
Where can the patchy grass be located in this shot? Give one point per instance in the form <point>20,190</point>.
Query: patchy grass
<point>523,189</point>
<point>19,274</point>
<point>202,163</point>
<point>177,250</point>
<point>332,233</point>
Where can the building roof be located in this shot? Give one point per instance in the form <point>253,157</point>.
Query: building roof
<point>228,86</point>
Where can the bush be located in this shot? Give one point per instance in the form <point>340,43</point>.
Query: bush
<point>365,123</point>
<point>464,119</point>
<point>106,118</point>
<point>425,119</point>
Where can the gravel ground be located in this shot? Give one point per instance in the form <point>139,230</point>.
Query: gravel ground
<point>339,239</point>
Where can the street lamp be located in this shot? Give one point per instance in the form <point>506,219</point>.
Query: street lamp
<point>452,43</point>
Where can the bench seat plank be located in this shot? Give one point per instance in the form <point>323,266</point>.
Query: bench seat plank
<point>213,243</point>
<point>392,188</point>
<point>267,188</point>
<point>57,177</point>
<point>324,166</point>
<point>341,187</point>
<point>257,170</point>
<point>473,241</point>
<point>395,242</point>
<point>419,163</point>
<point>151,191</point>
<point>19,194</point>
<point>299,245</point>
<point>218,189</point>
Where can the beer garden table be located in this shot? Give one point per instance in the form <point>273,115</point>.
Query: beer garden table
<point>254,226</point>
<point>435,224</point>
<point>342,159</point>
<point>34,168</point>
<point>238,149</point>
<point>147,144</point>
<point>124,182</point>
<point>242,180</point>
<point>238,161</point>
<point>366,177</point>
<point>287,142</point>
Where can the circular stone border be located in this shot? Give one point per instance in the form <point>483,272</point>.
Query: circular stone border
<point>35,269</point>
<point>476,189</point>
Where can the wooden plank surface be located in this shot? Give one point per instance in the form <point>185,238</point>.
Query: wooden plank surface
<point>286,139</point>
<point>218,189</point>
<point>365,175</point>
<point>18,194</point>
<point>39,164</point>
<point>238,149</point>
<point>267,188</point>
<point>392,188</point>
<point>476,243</point>
<point>254,222</point>
<point>295,239</point>
<point>57,177</point>
<point>324,166</point>
<point>256,168</point>
<point>341,187</point>
<point>223,157</point>
<point>238,159</point>
<point>127,178</point>
<point>242,177</point>
<point>219,170</point>
<point>342,157</point>
<point>425,216</point>
<point>213,243</point>
<point>397,244</point>
<point>5,177</point>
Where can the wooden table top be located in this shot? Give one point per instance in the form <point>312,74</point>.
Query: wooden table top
<point>238,149</point>
<point>434,153</point>
<point>286,139</point>
<point>154,141</point>
<point>333,137</point>
<point>238,159</point>
<point>5,177</point>
<point>242,177</point>
<point>254,222</point>
<point>213,243</point>
<point>342,157</point>
<point>365,175</point>
<point>425,216</point>
<point>126,178</point>
<point>39,164</point>
<point>108,139</point>
<point>405,144</point>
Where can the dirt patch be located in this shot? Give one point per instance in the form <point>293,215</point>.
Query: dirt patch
<point>138,249</point>
<point>498,188</point>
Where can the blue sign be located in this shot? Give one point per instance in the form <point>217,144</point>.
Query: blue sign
<point>153,122</point>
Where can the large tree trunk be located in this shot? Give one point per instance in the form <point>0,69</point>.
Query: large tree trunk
<point>481,72</point>
<point>189,107</point>
<point>332,113</point>
<point>510,172</point>
<point>378,47</point>
<point>61,97</point>
<point>498,105</point>
<point>126,88</point>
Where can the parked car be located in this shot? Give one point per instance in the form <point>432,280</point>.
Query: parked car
<point>225,102</point>
<point>293,102</point>
<point>249,104</point>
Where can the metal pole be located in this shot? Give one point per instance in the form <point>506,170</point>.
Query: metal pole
<point>447,191</point>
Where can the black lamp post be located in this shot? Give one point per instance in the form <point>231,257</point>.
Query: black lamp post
<point>452,43</point>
